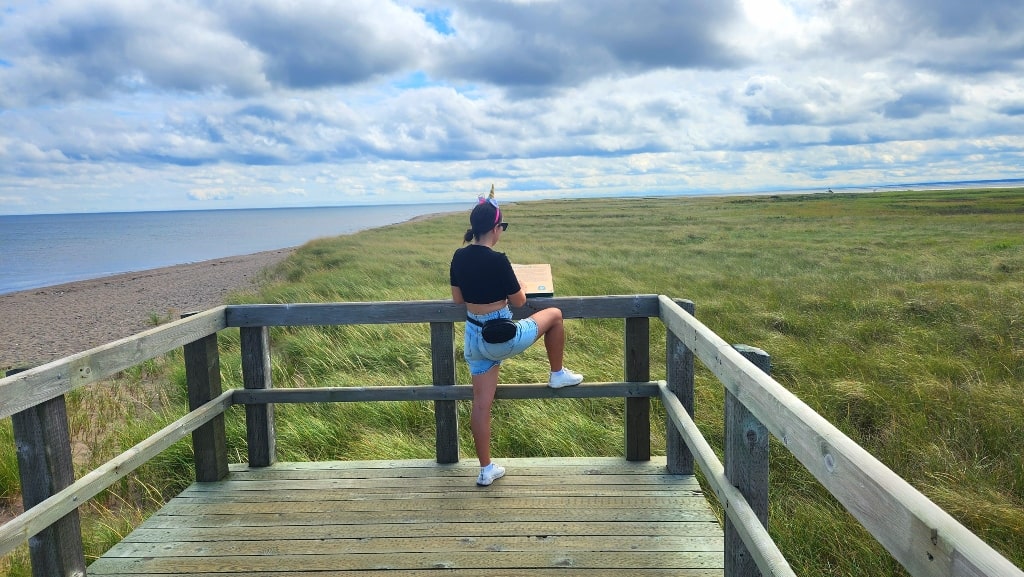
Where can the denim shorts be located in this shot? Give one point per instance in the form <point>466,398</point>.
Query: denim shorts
<point>483,356</point>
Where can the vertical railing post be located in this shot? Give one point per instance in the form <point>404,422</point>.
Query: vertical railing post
<point>209,443</point>
<point>746,467</point>
<point>679,379</point>
<point>256,374</point>
<point>638,369</point>
<point>43,441</point>
<point>442,357</point>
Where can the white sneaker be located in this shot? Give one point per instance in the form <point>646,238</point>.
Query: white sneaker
<point>490,474</point>
<point>564,378</point>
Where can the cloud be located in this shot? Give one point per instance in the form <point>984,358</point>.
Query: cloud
<point>102,47</point>
<point>555,44</point>
<point>944,35</point>
<point>238,103</point>
<point>919,101</point>
<point>99,48</point>
<point>329,43</point>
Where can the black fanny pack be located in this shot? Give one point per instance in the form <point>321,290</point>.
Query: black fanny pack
<point>495,331</point>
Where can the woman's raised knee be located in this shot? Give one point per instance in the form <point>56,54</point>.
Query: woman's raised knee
<point>547,319</point>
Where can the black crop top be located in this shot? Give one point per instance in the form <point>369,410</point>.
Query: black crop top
<point>484,276</point>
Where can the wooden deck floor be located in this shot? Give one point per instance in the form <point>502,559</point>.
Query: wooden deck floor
<point>594,517</point>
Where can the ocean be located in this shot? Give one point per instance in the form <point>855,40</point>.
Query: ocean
<point>42,250</point>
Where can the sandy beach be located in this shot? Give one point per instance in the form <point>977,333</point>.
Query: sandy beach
<point>41,325</point>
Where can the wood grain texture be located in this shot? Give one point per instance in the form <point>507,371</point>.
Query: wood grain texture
<point>364,313</point>
<point>29,388</point>
<point>926,540</point>
<point>604,516</point>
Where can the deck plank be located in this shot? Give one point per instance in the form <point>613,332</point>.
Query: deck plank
<point>567,516</point>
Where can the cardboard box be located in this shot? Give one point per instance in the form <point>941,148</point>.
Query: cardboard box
<point>535,279</point>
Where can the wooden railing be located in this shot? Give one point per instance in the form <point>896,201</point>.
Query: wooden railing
<point>922,537</point>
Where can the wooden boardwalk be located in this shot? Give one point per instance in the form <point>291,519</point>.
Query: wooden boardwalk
<point>567,516</point>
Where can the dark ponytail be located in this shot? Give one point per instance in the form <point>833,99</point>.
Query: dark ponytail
<point>482,219</point>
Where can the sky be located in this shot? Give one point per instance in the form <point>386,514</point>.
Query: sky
<point>125,105</point>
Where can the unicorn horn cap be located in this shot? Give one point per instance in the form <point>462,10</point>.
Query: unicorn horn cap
<point>491,196</point>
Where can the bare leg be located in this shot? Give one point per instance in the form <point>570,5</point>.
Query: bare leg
<point>484,387</point>
<point>549,324</point>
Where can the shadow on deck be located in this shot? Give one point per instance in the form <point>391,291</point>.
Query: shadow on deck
<point>597,516</point>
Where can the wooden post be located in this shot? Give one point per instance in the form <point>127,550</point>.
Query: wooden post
<point>746,467</point>
<point>446,419</point>
<point>43,441</point>
<point>256,374</point>
<point>638,369</point>
<point>679,377</point>
<point>209,443</point>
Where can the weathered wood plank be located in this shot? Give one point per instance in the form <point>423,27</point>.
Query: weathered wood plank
<point>446,419</point>
<point>29,523</point>
<point>560,572</point>
<point>746,466</point>
<point>430,544</point>
<point>209,441</point>
<point>429,467</point>
<point>43,441</point>
<point>344,518</point>
<point>637,361</point>
<point>466,502</point>
<point>524,466</point>
<point>918,533</point>
<point>679,374</point>
<point>261,439</point>
<point>440,393</point>
<point>480,561</point>
<point>31,387</point>
<point>439,484</point>
<point>362,529</point>
<point>419,561</point>
<point>363,313</point>
<point>762,548</point>
<point>386,494</point>
<point>182,533</point>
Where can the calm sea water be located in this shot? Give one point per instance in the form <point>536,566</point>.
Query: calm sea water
<point>46,249</point>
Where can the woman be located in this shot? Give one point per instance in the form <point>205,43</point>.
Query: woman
<point>484,281</point>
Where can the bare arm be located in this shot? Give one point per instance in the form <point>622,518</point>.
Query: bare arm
<point>457,296</point>
<point>518,299</point>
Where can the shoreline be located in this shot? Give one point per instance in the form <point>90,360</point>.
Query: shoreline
<point>44,324</point>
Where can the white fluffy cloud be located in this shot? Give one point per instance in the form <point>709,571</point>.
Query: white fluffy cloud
<point>120,105</point>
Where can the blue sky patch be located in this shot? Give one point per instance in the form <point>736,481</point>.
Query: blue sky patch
<point>417,79</point>
<point>439,20</point>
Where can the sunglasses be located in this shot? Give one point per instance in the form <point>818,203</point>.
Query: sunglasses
<point>503,225</point>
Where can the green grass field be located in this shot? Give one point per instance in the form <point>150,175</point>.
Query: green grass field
<point>898,316</point>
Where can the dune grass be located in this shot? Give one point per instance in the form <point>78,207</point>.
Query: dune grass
<point>898,316</point>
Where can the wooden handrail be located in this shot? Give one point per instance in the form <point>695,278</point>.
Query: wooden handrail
<point>762,548</point>
<point>49,381</point>
<point>448,393</point>
<point>24,526</point>
<point>918,533</point>
<point>390,312</point>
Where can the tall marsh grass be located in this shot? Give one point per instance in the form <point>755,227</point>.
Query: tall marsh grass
<point>897,316</point>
